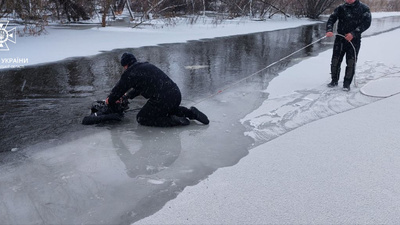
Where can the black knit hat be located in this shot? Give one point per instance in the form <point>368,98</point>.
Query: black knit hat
<point>127,59</point>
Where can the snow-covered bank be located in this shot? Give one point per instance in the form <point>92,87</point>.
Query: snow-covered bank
<point>60,43</point>
<point>341,169</point>
<point>333,171</point>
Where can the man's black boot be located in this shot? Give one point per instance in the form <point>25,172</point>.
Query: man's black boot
<point>199,116</point>
<point>333,84</point>
<point>346,85</point>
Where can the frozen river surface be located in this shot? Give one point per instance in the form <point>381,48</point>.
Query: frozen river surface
<point>118,173</point>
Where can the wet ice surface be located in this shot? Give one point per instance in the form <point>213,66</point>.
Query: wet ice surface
<point>37,96</point>
<point>121,172</point>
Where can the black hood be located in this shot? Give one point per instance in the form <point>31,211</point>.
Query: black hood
<point>127,59</point>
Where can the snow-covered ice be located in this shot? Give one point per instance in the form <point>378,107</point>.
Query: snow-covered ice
<point>339,169</point>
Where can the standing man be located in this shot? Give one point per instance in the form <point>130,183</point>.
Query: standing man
<point>163,107</point>
<point>354,18</point>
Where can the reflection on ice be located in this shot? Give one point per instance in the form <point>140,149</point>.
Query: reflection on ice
<point>145,151</point>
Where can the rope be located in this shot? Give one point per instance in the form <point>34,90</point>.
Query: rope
<point>375,96</point>
<point>272,64</point>
<point>355,63</point>
<point>354,77</point>
<point>251,75</point>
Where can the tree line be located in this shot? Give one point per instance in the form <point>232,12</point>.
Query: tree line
<point>33,11</point>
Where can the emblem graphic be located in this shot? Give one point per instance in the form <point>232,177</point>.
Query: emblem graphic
<point>6,36</point>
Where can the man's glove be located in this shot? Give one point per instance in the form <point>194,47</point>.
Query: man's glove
<point>124,102</point>
<point>124,99</point>
<point>120,105</point>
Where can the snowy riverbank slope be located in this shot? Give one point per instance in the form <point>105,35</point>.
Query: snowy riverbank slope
<point>340,169</point>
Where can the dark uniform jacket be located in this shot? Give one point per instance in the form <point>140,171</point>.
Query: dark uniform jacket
<point>353,18</point>
<point>144,79</point>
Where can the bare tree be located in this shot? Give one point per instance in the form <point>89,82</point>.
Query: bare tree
<point>3,8</point>
<point>74,10</point>
<point>313,8</point>
<point>394,5</point>
<point>237,8</point>
<point>383,5</point>
<point>128,6</point>
<point>105,6</point>
<point>275,6</point>
<point>119,6</point>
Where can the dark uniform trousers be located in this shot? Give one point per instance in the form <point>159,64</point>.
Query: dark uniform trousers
<point>343,47</point>
<point>159,113</point>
